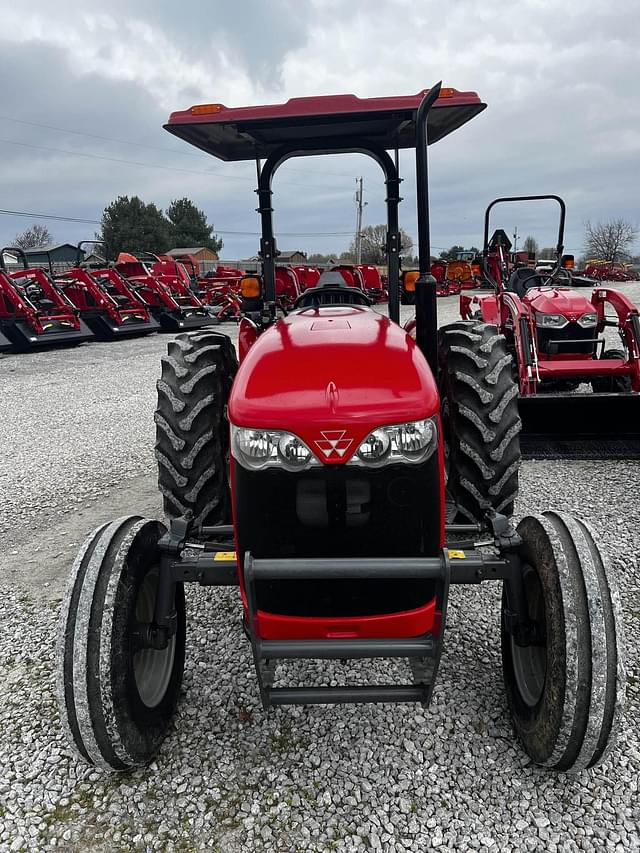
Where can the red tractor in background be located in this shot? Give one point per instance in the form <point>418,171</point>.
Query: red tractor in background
<point>34,312</point>
<point>314,477</point>
<point>104,300</point>
<point>366,277</point>
<point>307,276</point>
<point>556,339</point>
<point>168,294</point>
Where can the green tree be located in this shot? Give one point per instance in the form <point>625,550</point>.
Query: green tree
<point>450,254</point>
<point>130,225</point>
<point>37,235</point>
<point>189,227</point>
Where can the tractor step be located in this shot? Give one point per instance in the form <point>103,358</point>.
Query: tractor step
<point>339,649</point>
<point>421,652</point>
<point>339,695</point>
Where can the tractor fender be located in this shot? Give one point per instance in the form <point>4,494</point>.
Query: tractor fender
<point>247,336</point>
<point>480,307</point>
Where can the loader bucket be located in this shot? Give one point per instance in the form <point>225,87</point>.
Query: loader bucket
<point>580,426</point>
<point>186,320</point>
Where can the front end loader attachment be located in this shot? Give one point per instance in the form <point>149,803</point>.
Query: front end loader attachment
<point>580,426</point>
<point>56,333</point>
<point>186,319</point>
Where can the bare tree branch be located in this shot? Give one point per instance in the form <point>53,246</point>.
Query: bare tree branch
<point>610,241</point>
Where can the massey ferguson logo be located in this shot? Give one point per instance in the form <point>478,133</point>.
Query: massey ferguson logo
<point>333,443</point>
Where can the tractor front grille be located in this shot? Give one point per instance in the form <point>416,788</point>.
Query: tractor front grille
<point>572,339</point>
<point>340,511</point>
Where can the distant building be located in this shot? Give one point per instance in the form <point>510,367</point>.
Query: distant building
<point>295,257</point>
<point>61,254</point>
<point>200,253</point>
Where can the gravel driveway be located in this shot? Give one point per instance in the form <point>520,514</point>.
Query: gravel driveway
<point>76,431</point>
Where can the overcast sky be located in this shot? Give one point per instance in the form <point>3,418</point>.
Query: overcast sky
<point>560,80</point>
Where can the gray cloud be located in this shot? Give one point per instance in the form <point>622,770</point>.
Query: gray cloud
<point>559,79</point>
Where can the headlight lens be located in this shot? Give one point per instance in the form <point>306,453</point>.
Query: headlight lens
<point>551,321</point>
<point>588,320</point>
<point>261,448</point>
<point>410,442</point>
<point>256,449</point>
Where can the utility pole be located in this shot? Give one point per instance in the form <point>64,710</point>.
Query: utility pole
<point>515,239</point>
<point>359,208</point>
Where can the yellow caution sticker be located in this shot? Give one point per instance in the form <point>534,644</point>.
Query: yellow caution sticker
<point>457,555</point>
<point>227,556</point>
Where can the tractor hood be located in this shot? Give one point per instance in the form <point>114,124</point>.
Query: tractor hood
<point>558,300</point>
<point>333,369</point>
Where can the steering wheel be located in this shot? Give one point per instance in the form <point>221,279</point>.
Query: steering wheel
<point>316,297</point>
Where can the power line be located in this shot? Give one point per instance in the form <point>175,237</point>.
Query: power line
<point>146,145</point>
<point>217,230</point>
<point>126,162</point>
<point>49,216</point>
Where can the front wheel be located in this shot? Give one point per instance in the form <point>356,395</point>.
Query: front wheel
<point>480,418</point>
<point>612,384</point>
<point>565,681</point>
<point>117,697</point>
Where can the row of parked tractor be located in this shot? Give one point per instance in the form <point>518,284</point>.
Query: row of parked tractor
<point>137,295</point>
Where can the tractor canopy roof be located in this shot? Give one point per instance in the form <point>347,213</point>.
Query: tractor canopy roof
<point>250,133</point>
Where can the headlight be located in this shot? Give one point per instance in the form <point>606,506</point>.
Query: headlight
<point>551,321</point>
<point>411,442</point>
<point>588,320</point>
<point>262,448</point>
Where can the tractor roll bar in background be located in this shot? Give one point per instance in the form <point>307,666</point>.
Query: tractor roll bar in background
<point>14,251</point>
<point>560,244</point>
<point>339,145</point>
<point>79,250</point>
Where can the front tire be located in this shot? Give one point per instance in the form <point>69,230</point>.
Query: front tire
<point>192,429</point>
<point>565,694</point>
<point>480,418</point>
<point>612,384</point>
<point>117,699</point>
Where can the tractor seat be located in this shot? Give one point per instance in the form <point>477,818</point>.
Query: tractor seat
<point>331,289</point>
<point>522,279</point>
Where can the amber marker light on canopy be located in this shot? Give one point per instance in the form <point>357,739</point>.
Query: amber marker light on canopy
<point>206,109</point>
<point>250,287</point>
<point>568,262</point>
<point>444,93</point>
<point>410,279</point>
<point>476,269</point>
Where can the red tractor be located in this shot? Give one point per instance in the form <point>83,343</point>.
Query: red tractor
<point>556,339</point>
<point>307,276</point>
<point>34,312</point>
<point>106,303</point>
<point>168,295</point>
<point>313,478</point>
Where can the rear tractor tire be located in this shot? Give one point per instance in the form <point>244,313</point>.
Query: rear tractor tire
<point>117,698</point>
<point>612,384</point>
<point>479,400</point>
<point>192,429</point>
<point>565,692</point>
